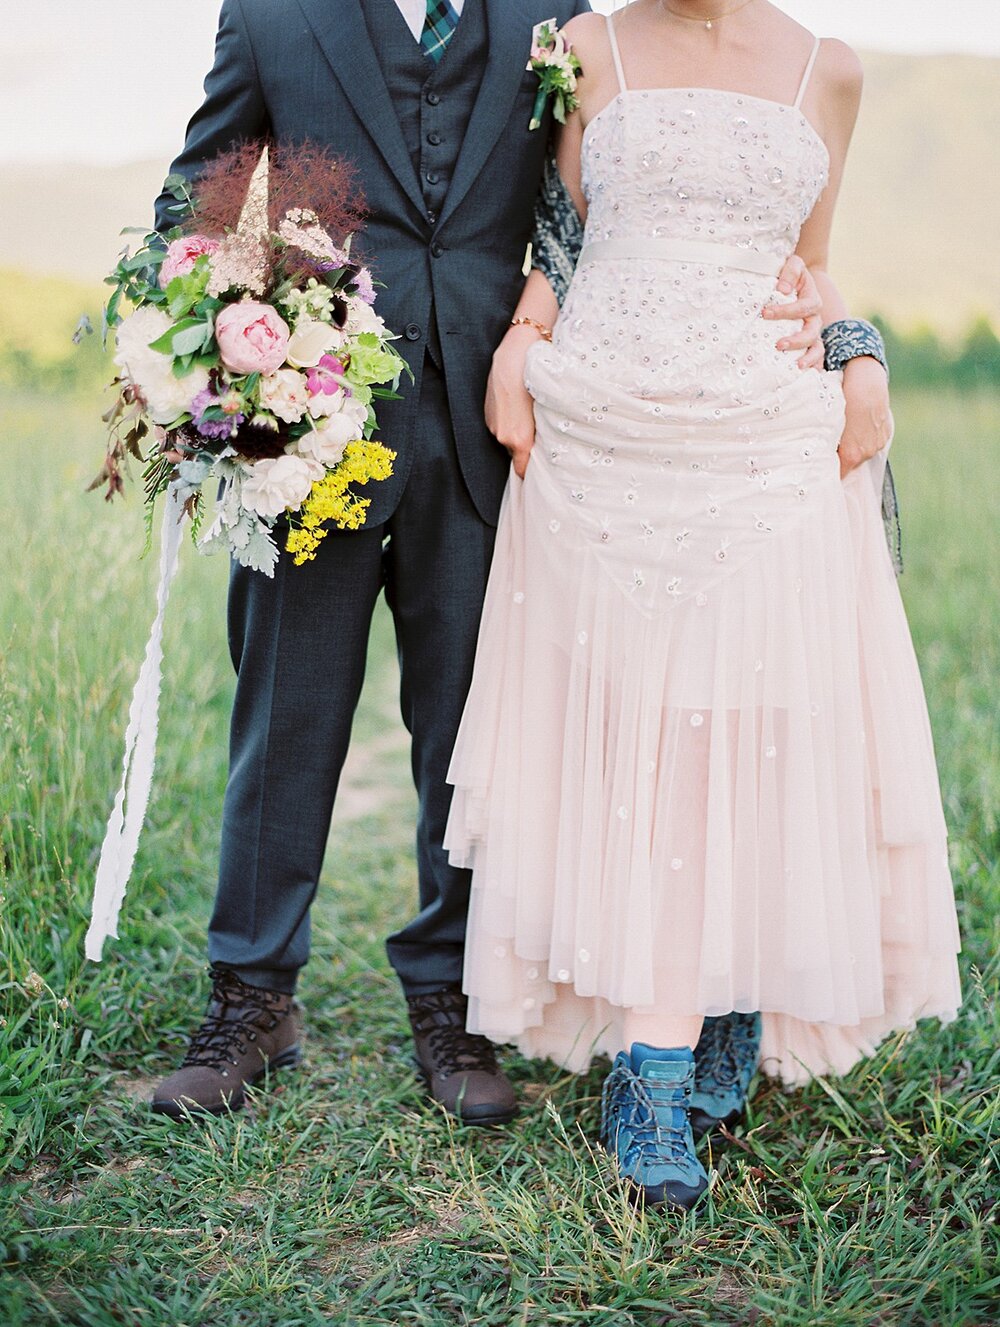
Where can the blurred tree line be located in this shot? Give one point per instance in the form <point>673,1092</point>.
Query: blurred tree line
<point>921,359</point>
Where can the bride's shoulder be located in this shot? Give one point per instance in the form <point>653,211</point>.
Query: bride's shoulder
<point>840,67</point>
<point>587,31</point>
<point>840,77</point>
<point>588,35</point>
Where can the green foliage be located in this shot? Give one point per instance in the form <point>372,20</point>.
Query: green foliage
<point>921,359</point>
<point>340,1197</point>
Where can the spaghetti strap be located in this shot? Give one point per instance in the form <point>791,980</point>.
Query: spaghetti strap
<point>797,103</point>
<point>616,54</point>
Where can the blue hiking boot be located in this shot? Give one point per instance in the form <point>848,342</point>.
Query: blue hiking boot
<point>724,1063</point>
<point>645,1125</point>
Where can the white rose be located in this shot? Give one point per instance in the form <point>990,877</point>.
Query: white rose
<point>361,317</point>
<point>310,341</point>
<point>326,442</point>
<point>285,394</point>
<point>279,484</point>
<point>150,371</point>
<point>326,403</point>
<point>336,403</point>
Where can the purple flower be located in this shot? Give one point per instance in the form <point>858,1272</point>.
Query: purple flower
<point>365,285</point>
<point>216,428</point>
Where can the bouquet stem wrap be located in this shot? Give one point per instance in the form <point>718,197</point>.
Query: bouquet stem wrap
<point>125,824</point>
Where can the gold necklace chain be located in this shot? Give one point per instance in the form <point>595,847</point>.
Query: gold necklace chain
<point>709,23</point>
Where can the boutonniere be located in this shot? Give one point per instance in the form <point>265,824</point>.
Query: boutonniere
<point>557,67</point>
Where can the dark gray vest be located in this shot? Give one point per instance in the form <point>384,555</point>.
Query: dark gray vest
<point>433,101</point>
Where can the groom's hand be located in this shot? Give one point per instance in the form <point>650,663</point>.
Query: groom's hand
<point>510,413</point>
<point>796,279</point>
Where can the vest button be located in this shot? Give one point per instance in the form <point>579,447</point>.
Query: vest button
<point>432,218</point>
<point>434,138</point>
<point>412,332</point>
<point>437,249</point>
<point>433,99</point>
<point>432,177</point>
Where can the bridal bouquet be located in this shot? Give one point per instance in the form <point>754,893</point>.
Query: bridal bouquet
<point>253,356</point>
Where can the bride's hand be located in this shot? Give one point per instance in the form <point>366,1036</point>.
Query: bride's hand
<point>510,414</point>
<point>868,424</point>
<point>795,278</point>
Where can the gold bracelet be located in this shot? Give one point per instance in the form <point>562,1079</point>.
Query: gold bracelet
<point>544,332</point>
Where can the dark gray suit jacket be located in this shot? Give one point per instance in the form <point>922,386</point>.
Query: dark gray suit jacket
<point>291,70</point>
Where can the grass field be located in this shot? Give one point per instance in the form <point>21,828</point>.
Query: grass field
<point>340,1197</point>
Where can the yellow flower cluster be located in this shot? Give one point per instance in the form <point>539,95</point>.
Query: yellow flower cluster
<point>330,499</point>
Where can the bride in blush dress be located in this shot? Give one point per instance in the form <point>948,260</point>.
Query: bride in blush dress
<point>695,773</point>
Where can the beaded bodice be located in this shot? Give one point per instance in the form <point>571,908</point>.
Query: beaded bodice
<point>701,164</point>
<point>681,438</point>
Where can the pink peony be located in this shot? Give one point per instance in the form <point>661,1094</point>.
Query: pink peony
<point>182,255</point>
<point>252,338</point>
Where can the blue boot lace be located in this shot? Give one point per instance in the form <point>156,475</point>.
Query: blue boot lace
<point>647,1115</point>
<point>726,1055</point>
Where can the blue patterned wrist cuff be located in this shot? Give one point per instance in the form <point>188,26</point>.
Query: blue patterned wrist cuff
<point>849,338</point>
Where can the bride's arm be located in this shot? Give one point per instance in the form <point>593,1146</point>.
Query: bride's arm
<point>868,426</point>
<point>509,410</point>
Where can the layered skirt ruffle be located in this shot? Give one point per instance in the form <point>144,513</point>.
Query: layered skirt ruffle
<point>695,772</point>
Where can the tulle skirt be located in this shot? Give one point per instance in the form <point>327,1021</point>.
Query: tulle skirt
<point>695,771</point>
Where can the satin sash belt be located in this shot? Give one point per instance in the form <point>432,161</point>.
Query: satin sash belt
<point>684,251</point>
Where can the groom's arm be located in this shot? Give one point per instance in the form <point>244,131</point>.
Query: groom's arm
<point>233,110</point>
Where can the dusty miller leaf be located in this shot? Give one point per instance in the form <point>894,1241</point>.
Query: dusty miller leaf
<point>261,552</point>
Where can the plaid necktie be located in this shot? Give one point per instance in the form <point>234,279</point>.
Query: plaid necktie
<point>438,28</point>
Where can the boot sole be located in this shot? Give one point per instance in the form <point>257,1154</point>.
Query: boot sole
<point>495,1117</point>
<point>659,1201</point>
<point>288,1059</point>
<point>639,1197</point>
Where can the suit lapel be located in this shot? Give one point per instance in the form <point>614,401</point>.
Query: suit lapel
<point>510,25</point>
<point>339,28</point>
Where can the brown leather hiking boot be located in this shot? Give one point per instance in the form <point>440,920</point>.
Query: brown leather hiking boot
<point>459,1068</point>
<point>247,1032</point>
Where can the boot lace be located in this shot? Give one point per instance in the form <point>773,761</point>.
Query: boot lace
<point>440,1017</point>
<point>221,1034</point>
<point>648,1111</point>
<point>726,1049</point>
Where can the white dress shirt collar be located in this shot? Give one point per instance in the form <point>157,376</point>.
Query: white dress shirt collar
<point>415,12</point>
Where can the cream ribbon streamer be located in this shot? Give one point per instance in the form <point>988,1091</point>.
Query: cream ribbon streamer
<point>122,837</point>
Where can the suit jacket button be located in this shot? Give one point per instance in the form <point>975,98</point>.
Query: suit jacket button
<point>437,249</point>
<point>412,332</point>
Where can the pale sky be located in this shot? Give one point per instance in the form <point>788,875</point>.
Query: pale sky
<point>65,95</point>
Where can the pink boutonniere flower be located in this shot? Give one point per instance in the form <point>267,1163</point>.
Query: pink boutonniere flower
<point>554,61</point>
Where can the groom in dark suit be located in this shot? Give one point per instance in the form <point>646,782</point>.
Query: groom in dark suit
<point>430,99</point>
